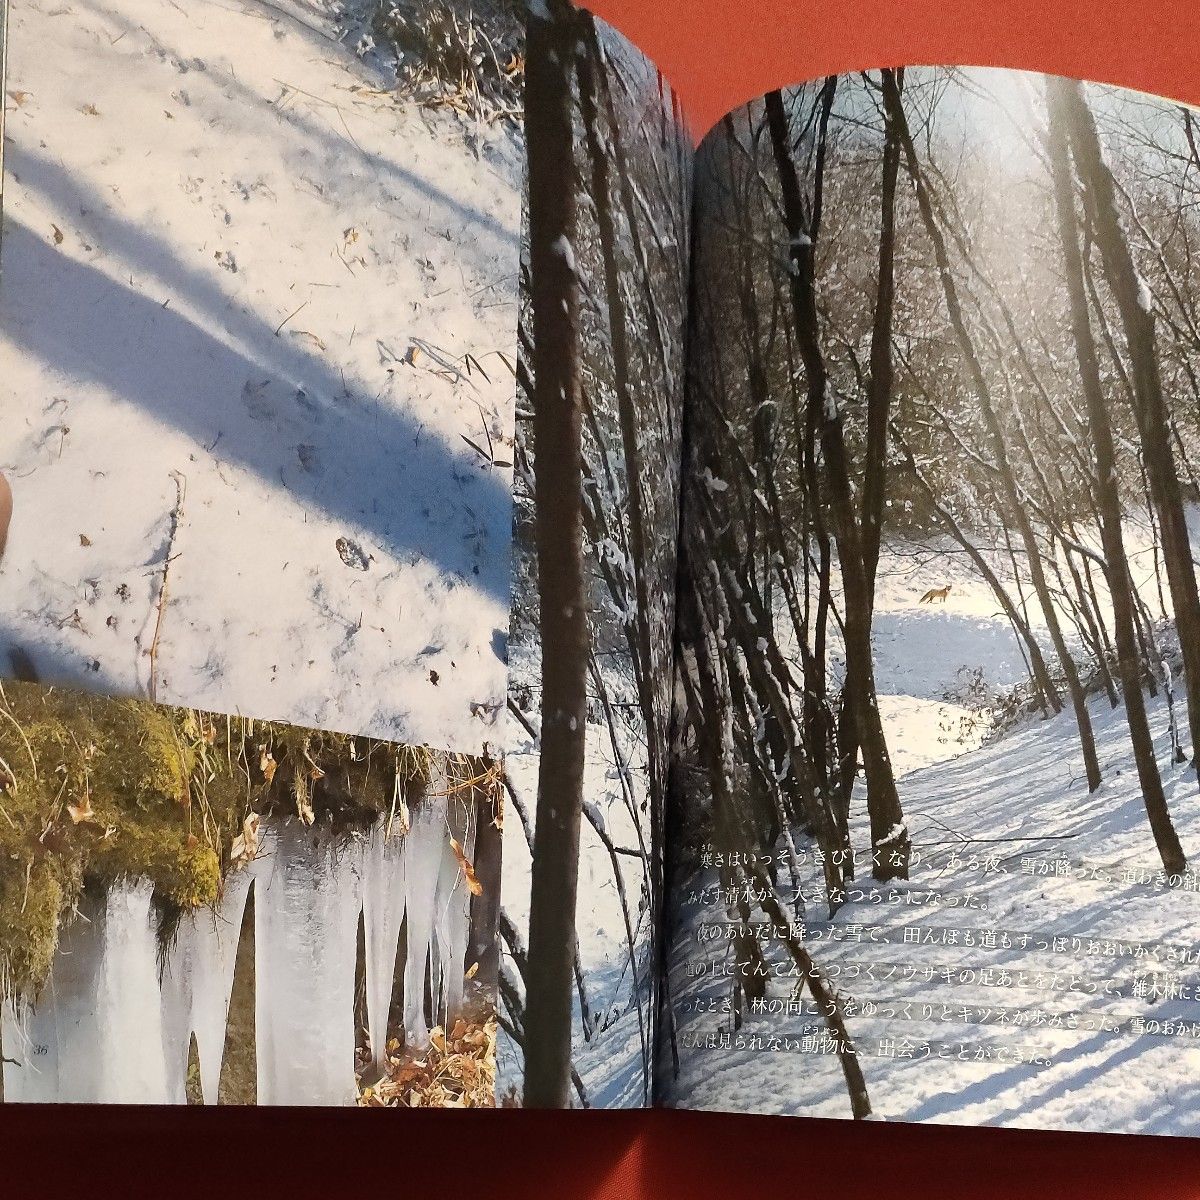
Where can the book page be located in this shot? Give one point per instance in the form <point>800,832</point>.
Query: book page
<point>936,803</point>
<point>257,337</point>
<point>599,416</point>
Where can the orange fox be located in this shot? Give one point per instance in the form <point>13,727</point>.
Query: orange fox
<point>933,594</point>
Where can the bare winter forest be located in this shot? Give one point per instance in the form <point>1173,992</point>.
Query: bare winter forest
<point>596,492</point>
<point>939,633</point>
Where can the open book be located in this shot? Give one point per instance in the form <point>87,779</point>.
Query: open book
<point>502,606</point>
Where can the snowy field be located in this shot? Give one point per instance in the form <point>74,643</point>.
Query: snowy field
<point>253,305</point>
<point>940,667</point>
<point>986,818</point>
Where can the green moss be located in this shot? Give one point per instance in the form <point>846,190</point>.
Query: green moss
<point>95,789</point>
<point>30,903</point>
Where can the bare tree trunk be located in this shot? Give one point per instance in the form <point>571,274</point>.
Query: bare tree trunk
<point>642,648</point>
<point>647,667</point>
<point>879,400</point>
<point>1012,496</point>
<point>558,496</point>
<point>1108,495</point>
<point>1074,604</point>
<point>1135,306</point>
<point>817,717</point>
<point>484,950</point>
<point>879,388</point>
<point>1093,598</point>
<point>890,845</point>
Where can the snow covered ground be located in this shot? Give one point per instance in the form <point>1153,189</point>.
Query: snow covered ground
<point>610,1062</point>
<point>241,282</point>
<point>1007,826</point>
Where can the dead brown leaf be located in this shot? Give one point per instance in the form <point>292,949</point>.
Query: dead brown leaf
<point>81,813</point>
<point>455,1071</point>
<point>245,845</point>
<point>473,884</point>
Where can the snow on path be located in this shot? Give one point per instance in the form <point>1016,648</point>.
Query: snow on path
<point>222,246</point>
<point>985,825</point>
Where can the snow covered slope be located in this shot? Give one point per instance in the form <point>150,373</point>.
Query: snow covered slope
<point>1010,853</point>
<point>241,282</point>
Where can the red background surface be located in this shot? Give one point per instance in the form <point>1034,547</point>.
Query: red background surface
<point>721,53</point>
<point>718,53</point>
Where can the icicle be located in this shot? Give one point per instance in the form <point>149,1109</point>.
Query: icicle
<point>424,846</point>
<point>106,1029</point>
<point>30,1051</point>
<point>128,1005</point>
<point>197,983</point>
<point>175,1010</point>
<point>306,907</point>
<point>453,905</point>
<point>383,913</point>
<point>68,1002</point>
<point>217,932</point>
<point>94,1035</point>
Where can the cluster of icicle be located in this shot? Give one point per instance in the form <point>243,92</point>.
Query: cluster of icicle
<point>114,1022</point>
